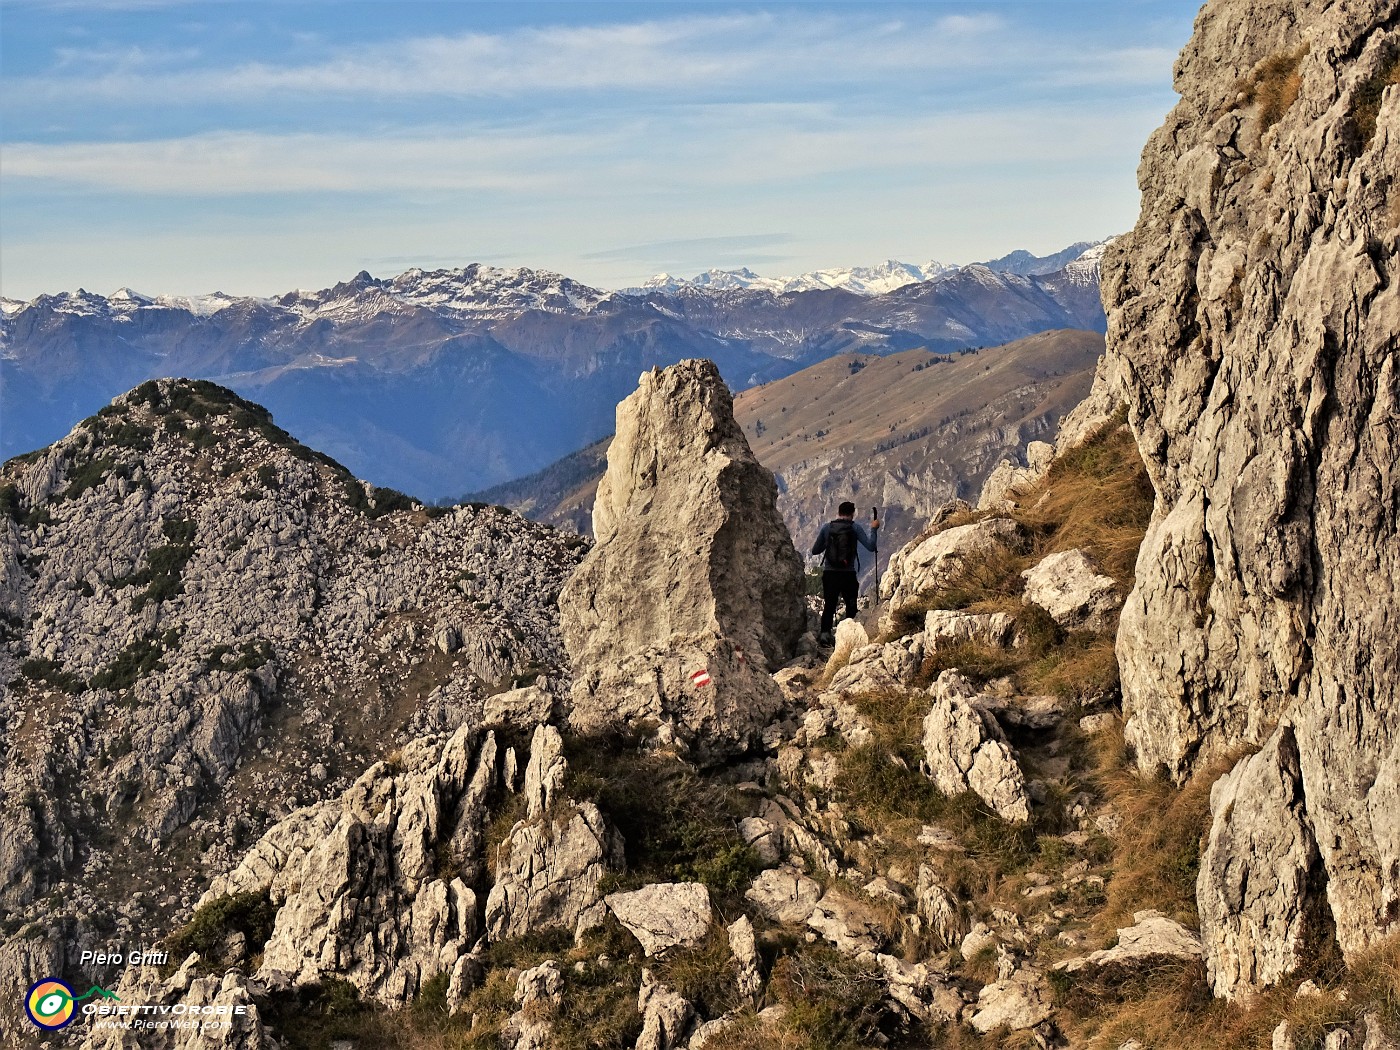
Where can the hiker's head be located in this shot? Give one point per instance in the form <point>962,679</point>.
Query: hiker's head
<point>847,510</point>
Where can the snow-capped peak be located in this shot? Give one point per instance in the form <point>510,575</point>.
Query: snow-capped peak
<point>862,280</point>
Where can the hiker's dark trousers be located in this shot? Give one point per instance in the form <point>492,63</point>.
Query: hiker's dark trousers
<point>838,585</point>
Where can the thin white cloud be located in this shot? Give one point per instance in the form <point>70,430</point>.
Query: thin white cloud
<point>701,148</point>
<point>672,55</point>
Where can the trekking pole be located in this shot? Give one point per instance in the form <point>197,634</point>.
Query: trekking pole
<point>875,516</point>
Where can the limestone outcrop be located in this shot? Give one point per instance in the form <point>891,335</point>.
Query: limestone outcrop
<point>372,887</point>
<point>692,596</point>
<point>1253,314</point>
<point>1257,890</point>
<point>929,562</point>
<point>965,750</point>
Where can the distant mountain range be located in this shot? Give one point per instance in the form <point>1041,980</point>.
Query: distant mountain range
<point>445,381</point>
<point>906,432</point>
<point>874,280</point>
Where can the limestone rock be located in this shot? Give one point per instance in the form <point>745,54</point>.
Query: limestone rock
<point>947,627</point>
<point>522,708</point>
<point>1152,938</point>
<point>1074,593</point>
<point>1256,895</point>
<point>544,773</point>
<point>763,838</point>
<point>929,562</point>
<point>784,895</point>
<point>693,571</point>
<point>1019,1002</point>
<point>850,635</point>
<point>851,925</point>
<point>965,750</point>
<point>1251,320</point>
<point>357,883</point>
<point>666,1016</point>
<point>542,983</point>
<point>664,915</point>
<point>745,952</point>
<point>880,666</point>
<point>550,875</point>
<point>938,908</point>
<point>923,991</point>
<point>999,489</point>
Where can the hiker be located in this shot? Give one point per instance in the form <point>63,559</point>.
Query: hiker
<point>841,563</point>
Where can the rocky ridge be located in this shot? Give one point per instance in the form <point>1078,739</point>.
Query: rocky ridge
<point>1252,320</point>
<point>542,888</point>
<point>206,626</point>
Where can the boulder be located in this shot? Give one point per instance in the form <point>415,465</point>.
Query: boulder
<point>664,915</point>
<point>965,750</point>
<point>520,708</point>
<point>1075,594</point>
<point>944,628</point>
<point>1018,1002</point>
<point>784,895</point>
<point>1151,939</point>
<point>692,595</point>
<point>1260,906</point>
<point>930,562</point>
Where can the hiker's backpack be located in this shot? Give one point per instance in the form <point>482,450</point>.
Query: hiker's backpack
<point>841,545</point>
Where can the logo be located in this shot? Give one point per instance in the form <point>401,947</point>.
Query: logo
<point>51,1004</point>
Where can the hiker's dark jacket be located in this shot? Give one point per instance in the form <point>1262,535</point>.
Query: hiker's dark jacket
<point>862,537</point>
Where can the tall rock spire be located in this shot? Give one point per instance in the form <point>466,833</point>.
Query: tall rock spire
<point>693,594</point>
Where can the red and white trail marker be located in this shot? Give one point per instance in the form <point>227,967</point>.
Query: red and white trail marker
<point>740,654</point>
<point>700,679</point>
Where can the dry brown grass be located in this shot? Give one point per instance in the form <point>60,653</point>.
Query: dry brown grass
<point>1157,846</point>
<point>1096,497</point>
<point>1173,1008</point>
<point>1274,85</point>
<point>1366,99</point>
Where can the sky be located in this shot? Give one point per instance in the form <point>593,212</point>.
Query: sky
<point>256,147</point>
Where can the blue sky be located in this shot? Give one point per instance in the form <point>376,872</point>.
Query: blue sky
<point>257,147</point>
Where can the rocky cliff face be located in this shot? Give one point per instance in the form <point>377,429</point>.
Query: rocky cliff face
<point>693,594</point>
<point>206,626</point>
<point>1253,315</point>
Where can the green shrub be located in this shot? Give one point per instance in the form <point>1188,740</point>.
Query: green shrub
<point>10,504</point>
<point>136,661</point>
<point>249,656</point>
<point>677,825</point>
<point>39,669</point>
<point>86,475</point>
<point>251,913</point>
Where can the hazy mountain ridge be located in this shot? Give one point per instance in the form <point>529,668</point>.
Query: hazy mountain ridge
<point>907,432</point>
<point>443,381</point>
